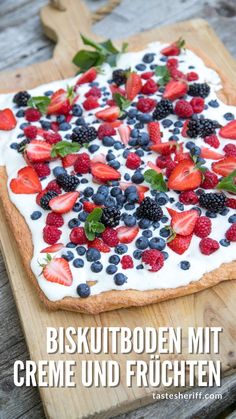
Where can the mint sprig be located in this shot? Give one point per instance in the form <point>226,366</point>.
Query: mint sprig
<point>39,102</point>
<point>102,52</point>
<point>163,75</point>
<point>228,183</point>
<point>121,101</point>
<point>62,148</point>
<point>93,225</point>
<point>156,180</point>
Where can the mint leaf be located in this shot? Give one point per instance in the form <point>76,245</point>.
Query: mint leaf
<point>156,180</point>
<point>93,225</point>
<point>228,183</point>
<point>163,73</point>
<point>87,59</point>
<point>180,43</point>
<point>62,148</point>
<point>39,102</point>
<point>95,215</point>
<point>121,101</point>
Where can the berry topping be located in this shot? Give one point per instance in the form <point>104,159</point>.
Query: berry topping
<point>188,198</point>
<point>175,89</point>
<point>212,140</point>
<point>183,223</point>
<point>183,109</point>
<point>53,186</point>
<point>149,209</point>
<point>197,104</point>
<point>110,217</point>
<point>99,245</point>
<point>94,91</point>
<point>192,76</point>
<point>180,243</point>
<point>231,203</point>
<point>54,219</point>
<point>225,166</point>
<point>109,236</point>
<point>51,234</point>
<point>119,76</point>
<point>230,150</point>
<point>83,290</point>
<point>133,85</point>
<point>52,137</point>
<point>231,233</point>
<point>45,198</point>
<point>127,262</point>
<point>109,114</point>
<point>42,169</point>
<point>199,89</point>
<point>105,130</point>
<point>154,132</point>
<point>82,163</point>
<point>63,203</point>
<point>229,130</point>
<point>127,234</point>
<point>154,259</point>
<point>104,172</point>
<point>145,104</point>
<point>21,98</point>
<point>77,236</point>
<point>58,270</point>
<point>163,109</point>
<point>208,246</point>
<point>149,87</point>
<point>213,202</point>
<point>67,182</point>
<point>202,227</point>
<point>84,135</point>
<point>87,77</point>
<point>32,115</point>
<point>133,161</point>
<point>185,176</point>
<point>173,49</point>
<point>38,151</point>
<point>7,120</point>
<point>30,132</point>
<point>210,180</point>
<point>26,182</point>
<point>91,103</point>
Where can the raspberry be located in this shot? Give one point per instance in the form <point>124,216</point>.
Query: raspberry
<point>110,237</point>
<point>94,91</point>
<point>127,262</point>
<point>90,103</point>
<point>154,258</point>
<point>42,169</point>
<point>163,161</point>
<point>147,75</point>
<point>145,104</point>
<point>53,186</point>
<point>212,140</point>
<point>192,76</point>
<point>208,246</point>
<point>170,167</point>
<point>231,233</point>
<point>82,164</point>
<point>188,198</point>
<point>52,137</point>
<point>32,115</point>
<point>77,236</point>
<point>149,87</point>
<point>231,203</point>
<point>133,161</point>
<point>51,234</point>
<point>230,150</point>
<point>105,130</point>
<point>202,227</point>
<point>172,62</point>
<point>30,132</point>
<point>176,74</point>
<point>183,109</point>
<point>54,219</point>
<point>197,104</point>
<point>210,180</point>
<point>110,102</point>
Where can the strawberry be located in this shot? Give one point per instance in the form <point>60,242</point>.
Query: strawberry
<point>27,182</point>
<point>185,176</point>
<point>229,130</point>
<point>64,203</point>
<point>207,153</point>
<point>124,133</point>
<point>183,223</point>
<point>225,166</point>
<point>175,89</point>
<point>38,151</point>
<point>154,167</point>
<point>7,120</point>
<point>174,48</point>
<point>58,270</point>
<point>117,89</point>
<point>99,245</point>
<point>140,188</point>
<point>53,248</point>
<point>60,103</point>
<point>164,148</point>
<point>108,114</point>
<point>89,206</point>
<point>69,160</point>
<point>127,234</point>
<point>104,172</point>
<point>154,132</point>
<point>87,77</point>
<point>99,158</point>
<point>133,85</point>
<point>180,243</point>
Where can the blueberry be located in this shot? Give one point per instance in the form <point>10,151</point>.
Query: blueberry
<point>115,164</point>
<point>137,254</point>
<point>84,180</point>
<point>127,176</point>
<point>83,215</point>
<point>93,255</point>
<point>164,59</point>
<point>118,145</point>
<point>78,263</point>
<point>140,153</point>
<point>103,190</point>
<point>144,223</point>
<point>140,266</point>
<point>110,157</point>
<point>147,233</point>
<point>20,113</point>
<point>148,58</point>
<point>80,121</point>
<point>157,243</point>
<point>83,290</point>
<point>161,198</point>
<point>129,220</point>
<point>132,197</point>
<point>71,245</point>
<point>130,189</point>
<point>185,265</point>
<point>114,259</point>
<point>36,215</point>
<point>178,124</point>
<point>164,232</point>
<point>174,138</point>
<point>77,110</point>
<point>195,151</point>
<point>120,249</point>
<point>225,242</point>
<point>88,191</point>
<point>166,123</point>
<point>176,131</point>
<point>120,199</point>
<point>164,219</point>
<point>110,202</point>
<point>77,207</point>
<point>134,133</point>
<point>116,191</point>
<point>232,219</point>
<point>153,66</point>
<point>68,256</point>
<point>74,222</point>
<point>179,206</point>
<point>58,170</point>
<point>108,141</point>
<point>140,67</point>
<point>145,118</point>
<point>14,146</point>
<point>133,142</point>
<point>224,211</point>
<point>213,104</point>
<point>137,177</point>
<point>210,214</point>
<point>165,254</point>
<point>141,243</point>
<point>111,269</point>
<point>80,250</point>
<point>156,225</point>
<point>93,148</point>
<point>45,124</point>
<point>132,113</point>
<point>189,145</point>
<point>229,116</point>
<point>120,279</point>
<point>99,199</point>
<point>143,139</point>
<point>61,118</point>
<point>96,267</point>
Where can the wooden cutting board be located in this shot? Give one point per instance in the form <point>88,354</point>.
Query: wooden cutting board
<point>212,307</point>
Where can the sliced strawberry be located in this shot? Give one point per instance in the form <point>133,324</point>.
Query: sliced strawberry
<point>133,85</point>
<point>87,77</point>
<point>115,124</point>
<point>53,248</point>
<point>58,270</point>
<point>7,120</point>
<point>99,158</point>
<point>124,132</point>
<point>180,154</point>
<point>108,114</point>
<point>117,89</point>
<point>154,167</point>
<point>38,151</point>
<point>183,223</point>
<point>185,176</point>
<point>225,166</point>
<point>64,203</point>
<point>104,172</point>
<point>154,132</point>
<point>207,153</point>
<point>180,243</point>
<point>175,89</point>
<point>27,182</point>
<point>164,148</point>
<point>127,234</point>
<point>140,188</point>
<point>99,245</point>
<point>60,103</point>
<point>69,160</point>
<point>229,130</point>
<point>90,206</point>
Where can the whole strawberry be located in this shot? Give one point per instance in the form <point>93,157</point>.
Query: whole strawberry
<point>231,233</point>
<point>202,227</point>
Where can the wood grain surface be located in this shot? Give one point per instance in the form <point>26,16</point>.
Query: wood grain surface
<point>24,402</point>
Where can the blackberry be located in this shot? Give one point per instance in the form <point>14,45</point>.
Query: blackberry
<point>84,135</point>
<point>110,217</point>
<point>149,209</point>
<point>22,144</point>
<point>194,128</point>
<point>67,182</point>
<point>213,202</point>
<point>21,98</point>
<point>46,198</point>
<point>119,77</point>
<point>163,109</point>
<point>199,89</point>
<point>208,127</point>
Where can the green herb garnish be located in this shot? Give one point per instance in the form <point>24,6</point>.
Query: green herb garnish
<point>163,73</point>
<point>228,183</point>
<point>39,102</point>
<point>121,101</point>
<point>62,148</point>
<point>93,225</point>
<point>156,180</point>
